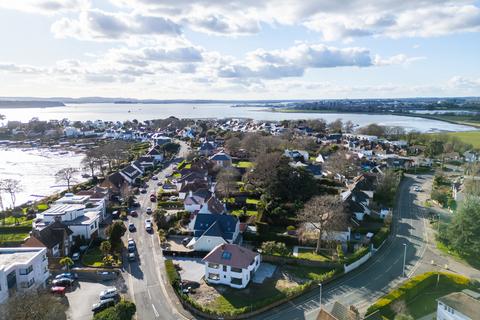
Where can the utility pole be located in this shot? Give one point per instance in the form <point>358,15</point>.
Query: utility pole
<point>404,258</point>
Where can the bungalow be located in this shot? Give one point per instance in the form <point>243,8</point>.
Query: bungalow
<point>159,139</point>
<point>56,237</point>
<point>399,163</point>
<point>222,159</point>
<point>213,206</point>
<point>210,230</point>
<point>339,312</point>
<point>146,162</point>
<point>231,265</point>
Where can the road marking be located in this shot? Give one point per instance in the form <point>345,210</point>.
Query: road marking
<point>149,294</point>
<point>155,311</point>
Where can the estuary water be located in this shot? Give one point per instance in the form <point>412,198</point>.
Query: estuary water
<point>122,112</point>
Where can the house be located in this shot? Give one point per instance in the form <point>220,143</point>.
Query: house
<point>213,206</point>
<point>470,156</point>
<point>339,312</point>
<point>156,154</point>
<point>195,200</point>
<point>159,139</point>
<point>146,162</point>
<point>206,149</point>
<point>457,192</point>
<point>131,172</point>
<point>399,163</point>
<point>210,230</point>
<point>22,269</point>
<point>56,237</point>
<point>222,159</point>
<point>463,305</point>
<point>296,155</point>
<point>115,183</point>
<point>231,265</point>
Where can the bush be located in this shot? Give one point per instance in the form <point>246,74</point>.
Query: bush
<point>124,310</point>
<point>275,248</point>
<point>381,236</point>
<point>357,255</point>
<point>172,273</point>
<point>340,254</point>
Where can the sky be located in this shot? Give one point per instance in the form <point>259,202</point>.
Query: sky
<point>240,49</point>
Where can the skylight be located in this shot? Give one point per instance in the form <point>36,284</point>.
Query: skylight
<point>226,255</point>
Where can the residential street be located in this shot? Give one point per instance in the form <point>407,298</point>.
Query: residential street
<point>382,272</point>
<point>144,277</point>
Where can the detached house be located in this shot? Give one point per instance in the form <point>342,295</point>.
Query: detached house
<point>210,230</point>
<point>56,237</point>
<point>463,305</point>
<point>222,159</point>
<point>231,265</point>
<point>131,172</point>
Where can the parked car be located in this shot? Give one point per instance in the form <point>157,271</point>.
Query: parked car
<point>159,183</point>
<point>108,293</point>
<point>143,191</point>
<point>62,282</point>
<point>148,225</point>
<point>76,256</point>
<point>131,246</point>
<point>131,226</point>
<point>58,290</point>
<point>115,214</point>
<point>66,275</point>
<point>134,213</point>
<point>132,257</point>
<point>149,211</point>
<point>103,304</point>
<point>357,236</point>
<point>185,241</point>
<point>154,178</point>
<point>153,198</point>
<point>173,198</point>
<point>135,204</point>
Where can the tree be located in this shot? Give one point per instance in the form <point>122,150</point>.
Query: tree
<point>348,127</point>
<point>227,181</point>
<point>372,129</point>
<point>317,125</point>
<point>335,126</point>
<point>275,248</point>
<point>403,316</point>
<point>66,262</point>
<point>124,310</point>
<point>386,188</point>
<point>434,148</point>
<point>170,148</point>
<point>12,187</point>
<point>66,175</point>
<point>115,232</point>
<point>105,247</point>
<point>90,161</point>
<point>343,163</point>
<point>464,231</point>
<point>233,145</point>
<point>29,305</point>
<point>324,214</point>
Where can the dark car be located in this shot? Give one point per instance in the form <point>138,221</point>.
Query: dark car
<point>134,213</point>
<point>143,190</point>
<point>62,282</point>
<point>132,257</point>
<point>131,226</point>
<point>103,304</point>
<point>65,275</point>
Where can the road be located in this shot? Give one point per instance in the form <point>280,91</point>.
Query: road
<point>144,278</point>
<point>381,273</point>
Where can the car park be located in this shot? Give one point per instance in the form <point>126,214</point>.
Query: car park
<point>62,282</point>
<point>108,293</point>
<point>148,225</point>
<point>103,304</point>
<point>149,211</point>
<point>131,226</point>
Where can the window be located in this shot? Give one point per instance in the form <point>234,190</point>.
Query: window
<point>25,271</point>
<point>91,227</point>
<point>45,270</point>
<point>226,255</point>
<point>213,265</point>
<point>236,270</point>
<point>224,268</point>
<point>237,281</point>
<point>213,276</point>
<point>44,257</point>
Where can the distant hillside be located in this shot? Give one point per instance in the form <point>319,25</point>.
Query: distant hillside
<point>29,104</point>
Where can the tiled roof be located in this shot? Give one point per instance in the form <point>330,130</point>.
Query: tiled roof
<point>231,255</point>
<point>227,224</point>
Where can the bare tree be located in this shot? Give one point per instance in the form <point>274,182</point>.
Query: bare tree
<point>324,214</point>
<point>66,175</point>
<point>226,181</point>
<point>335,126</point>
<point>348,127</point>
<point>12,187</point>
<point>33,305</point>
<point>89,162</point>
<point>233,145</point>
<point>265,166</point>
<point>343,163</point>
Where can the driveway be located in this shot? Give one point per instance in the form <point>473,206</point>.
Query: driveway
<point>192,269</point>
<point>83,297</point>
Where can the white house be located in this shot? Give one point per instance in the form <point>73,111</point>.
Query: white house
<point>222,159</point>
<point>159,139</point>
<point>231,265</point>
<point>22,269</point>
<point>459,306</point>
<point>210,230</point>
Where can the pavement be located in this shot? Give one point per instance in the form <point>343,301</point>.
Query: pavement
<point>193,269</point>
<point>145,278</point>
<point>383,271</point>
<point>83,297</point>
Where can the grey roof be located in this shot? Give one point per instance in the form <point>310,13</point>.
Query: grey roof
<point>226,223</point>
<point>221,156</point>
<point>462,303</point>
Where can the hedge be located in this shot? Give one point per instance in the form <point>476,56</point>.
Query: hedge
<point>411,288</point>
<point>172,273</point>
<point>170,204</point>
<point>381,235</point>
<point>15,229</point>
<point>357,255</point>
<point>279,237</point>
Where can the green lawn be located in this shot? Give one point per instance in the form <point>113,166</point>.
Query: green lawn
<point>472,261</point>
<point>309,273</point>
<point>94,258</point>
<point>309,254</point>
<point>470,137</point>
<point>252,201</point>
<point>10,221</point>
<point>42,207</point>
<point>244,164</point>
<point>239,212</point>
<point>12,237</point>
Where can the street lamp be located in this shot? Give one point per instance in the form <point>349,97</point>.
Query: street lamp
<point>320,285</point>
<point>404,258</point>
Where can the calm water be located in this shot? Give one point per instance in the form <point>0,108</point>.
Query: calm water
<point>36,171</point>
<point>121,112</point>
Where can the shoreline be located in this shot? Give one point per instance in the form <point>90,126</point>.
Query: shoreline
<point>422,115</point>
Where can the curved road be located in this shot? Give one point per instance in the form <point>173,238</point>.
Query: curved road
<point>380,274</point>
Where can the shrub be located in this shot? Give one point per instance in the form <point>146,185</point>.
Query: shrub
<point>275,248</point>
<point>172,273</point>
<point>340,254</point>
<point>124,310</point>
<point>291,228</point>
<point>381,236</point>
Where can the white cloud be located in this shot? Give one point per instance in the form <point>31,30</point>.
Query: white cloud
<point>464,83</point>
<point>399,59</point>
<point>44,6</point>
<point>94,24</point>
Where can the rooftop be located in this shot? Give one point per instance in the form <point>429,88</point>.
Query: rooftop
<point>231,255</point>
<point>462,303</point>
<point>61,209</point>
<point>9,256</point>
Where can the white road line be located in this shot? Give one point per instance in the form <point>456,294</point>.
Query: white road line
<point>149,294</point>
<point>155,311</point>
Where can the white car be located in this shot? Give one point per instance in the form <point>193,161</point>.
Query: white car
<point>76,256</point>
<point>148,225</point>
<point>108,293</point>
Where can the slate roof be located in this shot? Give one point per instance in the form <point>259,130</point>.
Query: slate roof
<point>52,234</point>
<point>206,146</point>
<point>221,156</point>
<point>231,255</point>
<point>226,223</point>
<point>215,206</point>
<point>193,199</point>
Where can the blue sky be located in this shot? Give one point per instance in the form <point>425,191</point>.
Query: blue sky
<point>221,49</point>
